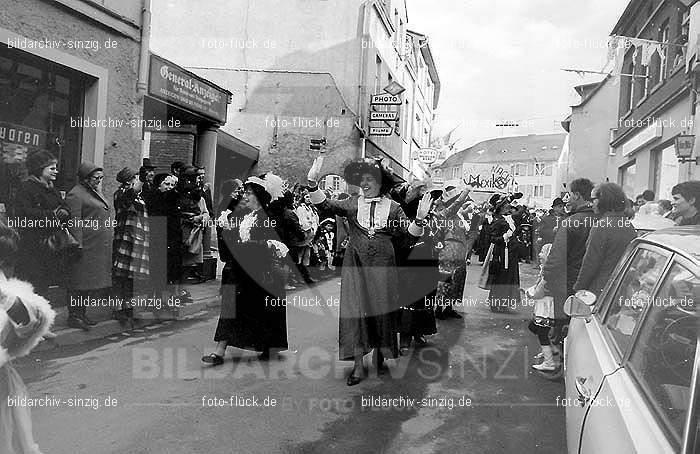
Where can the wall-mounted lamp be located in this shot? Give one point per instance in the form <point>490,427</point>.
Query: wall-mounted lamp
<point>684,144</point>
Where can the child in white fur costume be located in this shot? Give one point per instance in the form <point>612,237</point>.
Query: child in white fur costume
<point>17,341</point>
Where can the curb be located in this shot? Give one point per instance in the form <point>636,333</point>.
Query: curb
<point>72,336</point>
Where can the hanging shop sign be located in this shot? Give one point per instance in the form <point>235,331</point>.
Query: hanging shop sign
<point>380,130</point>
<point>173,84</point>
<point>427,155</point>
<point>386,99</point>
<point>383,116</point>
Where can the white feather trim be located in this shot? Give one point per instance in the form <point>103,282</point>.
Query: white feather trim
<point>13,289</point>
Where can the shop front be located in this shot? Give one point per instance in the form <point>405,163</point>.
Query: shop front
<point>647,159</point>
<point>182,116</point>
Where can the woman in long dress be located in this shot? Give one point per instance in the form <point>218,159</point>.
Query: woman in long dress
<point>504,272</point>
<point>369,303</point>
<point>258,318</point>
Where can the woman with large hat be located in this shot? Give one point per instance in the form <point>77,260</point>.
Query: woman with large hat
<point>369,303</point>
<point>253,315</point>
<point>503,272</point>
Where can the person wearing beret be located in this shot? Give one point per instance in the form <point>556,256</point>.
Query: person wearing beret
<point>369,302</point>
<point>40,203</point>
<point>90,275</point>
<point>130,247</point>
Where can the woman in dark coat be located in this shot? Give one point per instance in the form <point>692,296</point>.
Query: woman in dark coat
<point>607,240</point>
<point>258,318</point>
<point>504,271</point>
<point>419,274</point>
<point>38,202</point>
<point>166,234</point>
<point>369,303</point>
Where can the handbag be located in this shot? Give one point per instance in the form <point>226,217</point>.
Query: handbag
<point>61,241</point>
<point>484,276</point>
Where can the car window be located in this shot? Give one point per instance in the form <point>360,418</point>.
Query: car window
<point>633,295</point>
<point>664,352</point>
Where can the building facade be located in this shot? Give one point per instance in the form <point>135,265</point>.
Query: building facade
<point>587,153</point>
<point>655,106</point>
<point>70,75</point>
<point>526,164</point>
<point>310,77</point>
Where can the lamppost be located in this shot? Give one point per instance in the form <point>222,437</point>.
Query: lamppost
<point>684,144</point>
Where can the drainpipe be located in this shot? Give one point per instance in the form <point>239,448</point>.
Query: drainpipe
<point>142,83</point>
<point>362,93</point>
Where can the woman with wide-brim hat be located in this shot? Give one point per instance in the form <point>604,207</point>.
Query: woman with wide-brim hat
<point>253,315</point>
<point>369,303</point>
<point>504,271</point>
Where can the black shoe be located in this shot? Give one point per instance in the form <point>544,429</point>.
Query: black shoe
<point>420,340</point>
<point>353,379</point>
<point>440,315</point>
<point>451,313</point>
<point>79,323</point>
<point>265,355</point>
<point>310,280</point>
<point>213,359</point>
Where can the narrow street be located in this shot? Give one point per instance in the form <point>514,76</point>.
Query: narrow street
<point>473,387</point>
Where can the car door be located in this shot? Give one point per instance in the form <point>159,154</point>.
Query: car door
<point>590,356</point>
<point>643,407</point>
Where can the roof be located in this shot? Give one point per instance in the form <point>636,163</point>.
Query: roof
<point>679,239</point>
<point>493,150</point>
<point>588,91</point>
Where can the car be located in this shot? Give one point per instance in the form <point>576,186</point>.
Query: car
<point>632,353</point>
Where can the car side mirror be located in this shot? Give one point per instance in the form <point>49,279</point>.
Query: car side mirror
<point>580,304</point>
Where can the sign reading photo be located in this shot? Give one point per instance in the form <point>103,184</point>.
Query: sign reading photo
<point>182,88</point>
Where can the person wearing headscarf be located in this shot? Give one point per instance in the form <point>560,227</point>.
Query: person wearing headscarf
<point>91,273</point>
<point>40,204</point>
<point>25,319</point>
<point>254,311</point>
<point>369,303</point>
<point>131,247</point>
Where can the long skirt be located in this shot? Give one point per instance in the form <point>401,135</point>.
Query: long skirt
<point>15,420</point>
<point>369,303</point>
<point>504,283</point>
<point>252,316</point>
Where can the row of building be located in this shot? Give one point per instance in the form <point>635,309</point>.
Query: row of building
<point>235,86</point>
<point>636,127</point>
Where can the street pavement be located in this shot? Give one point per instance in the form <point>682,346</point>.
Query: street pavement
<point>146,391</point>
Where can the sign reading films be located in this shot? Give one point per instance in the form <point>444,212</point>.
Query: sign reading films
<point>173,84</point>
<point>387,116</point>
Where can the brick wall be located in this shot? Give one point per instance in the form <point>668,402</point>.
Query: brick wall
<point>168,147</point>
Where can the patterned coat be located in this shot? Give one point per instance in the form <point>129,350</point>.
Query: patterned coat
<point>130,248</point>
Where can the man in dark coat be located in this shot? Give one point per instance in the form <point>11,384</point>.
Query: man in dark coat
<point>568,249</point>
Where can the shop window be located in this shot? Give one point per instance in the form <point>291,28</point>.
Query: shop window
<point>41,107</point>
<point>665,172</point>
<point>627,178</point>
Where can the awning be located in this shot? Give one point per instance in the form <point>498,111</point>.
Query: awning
<point>229,142</point>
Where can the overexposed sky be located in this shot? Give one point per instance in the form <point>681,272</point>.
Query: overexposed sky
<point>502,60</point>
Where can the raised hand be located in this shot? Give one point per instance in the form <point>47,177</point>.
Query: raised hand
<point>315,171</point>
<point>424,207</point>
